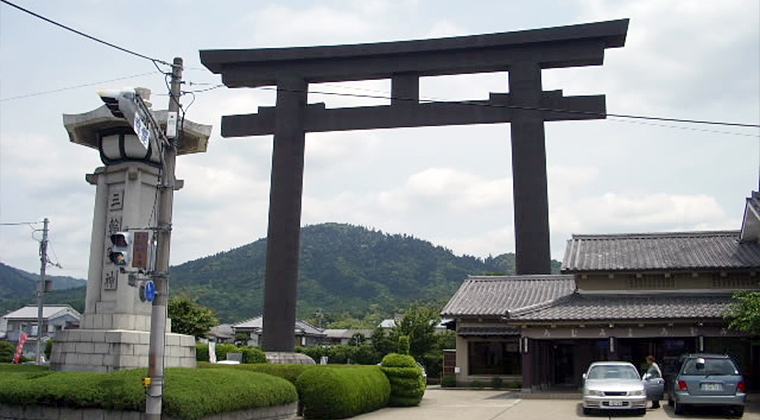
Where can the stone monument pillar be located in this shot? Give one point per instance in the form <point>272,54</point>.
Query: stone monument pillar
<point>114,330</point>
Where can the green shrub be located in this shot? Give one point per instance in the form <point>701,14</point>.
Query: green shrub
<point>497,382</point>
<point>398,360</point>
<point>188,393</point>
<point>289,372</point>
<point>250,354</point>
<point>48,348</point>
<point>196,393</point>
<point>433,365</point>
<point>7,350</point>
<point>478,384</point>
<point>24,369</point>
<point>406,379</point>
<point>201,352</point>
<point>253,355</point>
<point>364,354</point>
<point>403,344</point>
<point>449,381</point>
<point>335,393</point>
<point>517,383</point>
<point>223,348</point>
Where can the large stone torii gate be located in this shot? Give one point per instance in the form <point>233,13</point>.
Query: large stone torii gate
<point>522,54</point>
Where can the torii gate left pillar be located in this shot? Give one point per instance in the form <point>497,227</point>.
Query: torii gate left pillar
<point>523,54</point>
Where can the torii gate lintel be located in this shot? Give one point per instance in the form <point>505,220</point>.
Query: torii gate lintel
<point>526,107</point>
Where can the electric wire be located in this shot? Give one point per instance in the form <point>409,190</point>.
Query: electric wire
<point>156,61</point>
<point>20,224</point>
<point>29,95</point>
<point>527,108</point>
<point>90,37</point>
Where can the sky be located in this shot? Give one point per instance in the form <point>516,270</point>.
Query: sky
<point>451,186</point>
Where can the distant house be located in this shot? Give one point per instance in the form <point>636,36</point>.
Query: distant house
<point>387,323</point>
<point>24,320</point>
<point>440,327</point>
<point>222,333</point>
<point>621,297</point>
<point>305,333</point>
<point>343,336</point>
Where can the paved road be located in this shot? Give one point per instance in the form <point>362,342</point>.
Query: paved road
<point>498,405</point>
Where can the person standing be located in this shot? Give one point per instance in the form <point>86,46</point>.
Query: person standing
<point>653,371</point>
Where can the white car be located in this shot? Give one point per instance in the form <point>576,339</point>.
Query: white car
<point>613,386</point>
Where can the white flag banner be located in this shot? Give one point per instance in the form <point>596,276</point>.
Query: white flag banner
<point>212,352</point>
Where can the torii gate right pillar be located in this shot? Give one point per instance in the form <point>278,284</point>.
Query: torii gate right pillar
<point>529,179</point>
<point>526,107</point>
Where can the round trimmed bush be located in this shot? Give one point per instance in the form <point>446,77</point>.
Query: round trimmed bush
<point>406,379</point>
<point>337,393</point>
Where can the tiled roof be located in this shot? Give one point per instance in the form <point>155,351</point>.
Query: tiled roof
<point>582,307</point>
<point>660,251</point>
<point>487,331</point>
<point>495,295</point>
<point>751,220</point>
<point>48,311</point>
<point>301,327</point>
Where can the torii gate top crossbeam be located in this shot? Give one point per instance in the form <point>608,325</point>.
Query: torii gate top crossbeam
<point>565,46</point>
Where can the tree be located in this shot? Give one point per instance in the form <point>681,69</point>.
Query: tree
<point>189,317</point>
<point>419,325</point>
<point>382,343</point>
<point>745,314</point>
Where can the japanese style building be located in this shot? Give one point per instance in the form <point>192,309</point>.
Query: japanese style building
<point>620,297</point>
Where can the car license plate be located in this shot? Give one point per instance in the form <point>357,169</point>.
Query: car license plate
<point>617,403</point>
<point>711,387</point>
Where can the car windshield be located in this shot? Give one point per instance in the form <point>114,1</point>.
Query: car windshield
<point>613,372</point>
<point>707,366</point>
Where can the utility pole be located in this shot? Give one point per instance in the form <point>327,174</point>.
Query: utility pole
<point>41,286</point>
<point>154,397</point>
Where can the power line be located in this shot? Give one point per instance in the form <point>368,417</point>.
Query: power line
<point>484,104</point>
<point>19,223</point>
<point>29,95</point>
<point>90,37</point>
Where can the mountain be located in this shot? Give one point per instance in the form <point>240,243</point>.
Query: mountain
<point>343,268</point>
<point>19,288</point>
<point>345,271</point>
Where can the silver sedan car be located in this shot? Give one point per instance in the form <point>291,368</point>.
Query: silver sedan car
<point>613,386</point>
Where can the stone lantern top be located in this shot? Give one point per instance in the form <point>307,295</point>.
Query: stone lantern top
<point>86,129</point>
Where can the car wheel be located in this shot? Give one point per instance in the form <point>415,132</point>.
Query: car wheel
<point>738,412</point>
<point>641,412</point>
<point>586,411</point>
<point>670,402</point>
<point>678,407</point>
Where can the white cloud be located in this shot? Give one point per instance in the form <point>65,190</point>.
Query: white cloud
<point>445,28</point>
<point>447,190</point>
<point>449,185</point>
<point>614,212</point>
<point>278,25</point>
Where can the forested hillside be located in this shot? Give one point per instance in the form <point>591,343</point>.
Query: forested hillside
<point>344,269</point>
<point>346,272</point>
<point>18,288</point>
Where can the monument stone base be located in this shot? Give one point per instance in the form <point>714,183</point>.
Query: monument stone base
<point>116,348</point>
<point>284,358</point>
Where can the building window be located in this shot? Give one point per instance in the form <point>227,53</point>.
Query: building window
<point>495,357</point>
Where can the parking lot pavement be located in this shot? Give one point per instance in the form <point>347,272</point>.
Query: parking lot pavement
<point>447,404</point>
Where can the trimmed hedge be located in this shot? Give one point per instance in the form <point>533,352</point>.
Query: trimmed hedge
<point>250,354</point>
<point>406,379</point>
<point>289,372</point>
<point>195,393</point>
<point>336,393</point>
<point>189,394</point>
